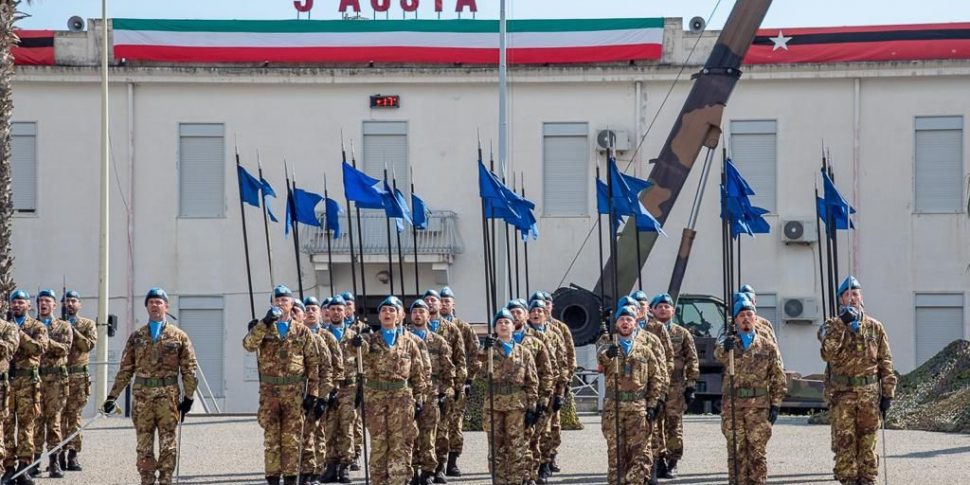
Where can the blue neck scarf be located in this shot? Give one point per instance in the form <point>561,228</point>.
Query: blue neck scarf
<point>539,328</point>
<point>283,328</point>
<point>626,343</point>
<point>746,338</point>
<point>506,348</point>
<point>669,325</point>
<point>337,331</point>
<point>155,329</point>
<point>642,324</point>
<point>72,319</point>
<point>348,321</point>
<point>314,328</point>
<point>47,321</point>
<point>449,317</point>
<point>390,336</point>
<point>434,324</point>
<point>422,333</point>
<point>518,335</point>
<point>20,319</point>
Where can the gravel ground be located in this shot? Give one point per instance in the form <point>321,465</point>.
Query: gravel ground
<point>219,450</point>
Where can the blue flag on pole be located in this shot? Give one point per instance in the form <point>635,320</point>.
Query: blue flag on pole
<point>249,186</point>
<point>419,213</point>
<point>503,203</point>
<point>603,203</point>
<point>626,199</point>
<point>835,206</point>
<point>301,208</point>
<point>267,192</point>
<point>736,205</point>
<point>395,206</point>
<point>362,188</point>
<point>333,216</point>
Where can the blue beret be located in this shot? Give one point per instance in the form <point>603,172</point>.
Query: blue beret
<point>390,301</point>
<point>661,298</point>
<point>547,295</point>
<point>156,292</point>
<point>311,300</point>
<point>71,294</point>
<point>850,283</point>
<point>537,304</point>
<point>282,290</point>
<point>19,295</point>
<point>419,303</point>
<point>515,303</point>
<point>741,304</point>
<point>49,293</point>
<point>747,289</point>
<point>627,301</point>
<point>336,301</point>
<point>624,311</point>
<point>299,304</point>
<point>432,292</point>
<point>326,302</point>
<point>503,313</point>
<point>446,292</point>
<point>538,295</point>
<point>348,296</point>
<point>639,296</point>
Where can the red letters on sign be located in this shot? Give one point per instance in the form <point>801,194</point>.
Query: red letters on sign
<point>439,5</point>
<point>385,5</point>
<point>409,5</point>
<point>354,4</point>
<point>303,6</point>
<point>380,5</point>
<point>461,4</point>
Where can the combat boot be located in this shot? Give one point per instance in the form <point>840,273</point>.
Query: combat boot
<point>273,480</point>
<point>672,468</point>
<point>343,473</point>
<point>653,476</point>
<point>452,469</point>
<point>426,478</point>
<point>72,463</point>
<point>55,467</point>
<point>5,480</point>
<point>329,474</point>
<point>355,465</point>
<point>24,479</point>
<point>554,465</point>
<point>662,470</point>
<point>62,459</point>
<point>439,474</point>
<point>35,470</point>
<point>289,480</point>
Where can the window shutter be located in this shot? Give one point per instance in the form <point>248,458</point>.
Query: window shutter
<point>565,169</point>
<point>754,151</point>
<point>939,164</point>
<point>939,321</point>
<point>202,319</point>
<point>385,144</point>
<point>202,160</point>
<point>23,166</point>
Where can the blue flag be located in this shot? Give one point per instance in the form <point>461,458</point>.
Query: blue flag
<point>333,216</point>
<point>267,192</point>
<point>301,208</point>
<point>626,199</point>
<point>834,206</point>
<point>420,213</point>
<point>736,205</point>
<point>249,186</point>
<point>395,206</point>
<point>362,188</point>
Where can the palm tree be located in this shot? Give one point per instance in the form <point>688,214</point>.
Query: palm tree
<point>8,17</point>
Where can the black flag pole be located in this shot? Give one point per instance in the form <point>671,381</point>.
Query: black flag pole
<point>414,238</point>
<point>829,250</point>
<point>727,266</point>
<point>491,168</point>
<point>245,234</point>
<point>525,244</point>
<point>326,197</point>
<point>614,338</point>
<point>400,252</point>
<point>269,245</point>
<point>515,241</point>
<point>291,206</point>
<point>835,234</point>
<point>360,245</point>
<point>599,229</point>
<point>492,310</point>
<point>821,268</point>
<point>350,232</point>
<point>390,247</point>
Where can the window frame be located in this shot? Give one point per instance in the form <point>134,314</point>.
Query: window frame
<point>36,135</point>
<point>772,211</point>
<point>584,210</point>
<point>960,207</point>
<point>223,210</point>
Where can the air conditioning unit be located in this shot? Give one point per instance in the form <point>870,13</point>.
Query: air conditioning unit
<point>799,231</point>
<point>619,139</point>
<point>800,310</point>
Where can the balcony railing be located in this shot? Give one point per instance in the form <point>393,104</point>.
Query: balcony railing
<point>441,237</point>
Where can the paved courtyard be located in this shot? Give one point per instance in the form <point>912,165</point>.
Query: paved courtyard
<point>222,450</point>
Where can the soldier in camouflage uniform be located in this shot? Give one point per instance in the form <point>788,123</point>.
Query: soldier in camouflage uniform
<point>54,381</point>
<point>456,419</point>
<point>513,403</point>
<point>394,386</point>
<point>665,353</point>
<point>682,383</point>
<point>360,326</point>
<point>425,457</point>
<point>534,342</point>
<point>308,461</point>
<point>23,398</point>
<point>759,388</point>
<point>763,325</point>
<point>562,394</point>
<point>633,388</point>
<point>79,380</point>
<point>289,379</point>
<point>155,355</point>
<point>560,373</point>
<point>344,403</point>
<point>9,342</point>
<point>314,312</point>
<point>863,384</point>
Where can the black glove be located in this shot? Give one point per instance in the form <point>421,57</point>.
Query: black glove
<point>319,408</point>
<point>651,414</point>
<point>359,397</point>
<point>557,403</point>
<point>884,404</point>
<point>332,398</point>
<point>272,316</point>
<point>849,314</point>
<point>468,388</point>
<point>442,397</point>
<point>185,407</point>
<point>728,344</point>
<point>418,407</point>
<point>109,405</point>
<point>357,341</point>
<point>689,395</point>
<point>612,351</point>
<point>773,414</point>
<point>308,403</point>
<point>531,418</point>
<point>488,343</point>
<point>252,323</point>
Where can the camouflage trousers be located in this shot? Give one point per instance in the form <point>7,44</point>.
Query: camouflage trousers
<point>23,407</point>
<point>390,419</point>
<point>310,459</point>
<point>511,445</point>
<point>320,445</point>
<point>4,386</point>
<point>424,457</point>
<point>442,441</point>
<point>674,421</point>
<point>155,409</point>
<point>634,445</point>
<point>456,421</point>
<point>555,436</point>
<point>658,442</point>
<point>358,433</point>
<point>753,433</point>
<point>340,427</point>
<point>53,396</point>
<point>79,390</point>
<point>538,440</point>
<point>280,415</point>
<point>855,420</point>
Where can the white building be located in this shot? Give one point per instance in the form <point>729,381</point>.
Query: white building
<point>895,132</point>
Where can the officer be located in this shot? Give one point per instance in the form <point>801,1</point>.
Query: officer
<point>514,401</point>
<point>344,402</point>
<point>289,379</point>
<point>682,383</point>
<point>314,312</point>
<point>456,438</point>
<point>425,457</point>
<point>54,381</point>
<point>23,407</point>
<point>763,324</point>
<point>562,394</point>
<point>155,355</point>
<point>456,342</point>
<point>856,348</point>
<point>633,388</point>
<point>665,353</point>
<point>79,380</point>
<point>359,325</point>
<point>534,342</point>
<point>759,388</point>
<point>9,342</point>
<point>395,384</point>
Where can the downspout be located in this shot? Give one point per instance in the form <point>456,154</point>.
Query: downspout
<point>854,266</point>
<point>131,209</point>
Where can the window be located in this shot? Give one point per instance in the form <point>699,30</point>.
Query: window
<point>201,317</point>
<point>767,304</point>
<point>386,146</point>
<point>754,151</point>
<point>23,166</point>
<point>565,169</point>
<point>939,321</point>
<point>939,164</point>
<point>202,170</point>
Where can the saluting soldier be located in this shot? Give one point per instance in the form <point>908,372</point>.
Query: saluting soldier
<point>359,325</point>
<point>562,394</point>
<point>456,419</point>
<point>682,383</point>
<point>665,352</point>
<point>633,388</point>
<point>23,403</point>
<point>9,342</point>
<point>54,381</point>
<point>863,384</point>
<point>759,388</point>
<point>534,342</point>
<point>344,403</point>
<point>289,379</point>
<point>515,396</point>
<point>79,380</point>
<point>394,386</point>
<point>155,355</point>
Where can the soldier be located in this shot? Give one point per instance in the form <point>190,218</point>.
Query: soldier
<point>513,404</point>
<point>682,383</point>
<point>155,355</point>
<point>54,381</point>
<point>633,388</point>
<point>345,401</point>
<point>764,325</point>
<point>394,386</point>
<point>23,405</point>
<point>9,343</point>
<point>856,348</point>
<point>533,341</point>
<point>360,326</point>
<point>308,461</point>
<point>759,388</point>
<point>665,353</point>
<point>563,394</point>
<point>456,439</point>
<point>79,380</point>
<point>425,457</point>
<point>289,379</point>
<point>560,375</point>
<point>314,310</point>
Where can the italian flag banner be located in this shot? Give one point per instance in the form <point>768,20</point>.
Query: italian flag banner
<point>387,41</point>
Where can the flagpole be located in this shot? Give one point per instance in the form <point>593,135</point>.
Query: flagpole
<point>515,241</point>
<point>726,267</point>
<point>835,233</point>
<point>326,198</point>
<point>491,164</point>
<point>639,257</point>
<point>387,222</point>
<point>613,247</point>
<point>821,270</point>
<point>269,245</point>
<point>833,305</point>
<point>414,238</point>
<point>613,334</point>
<point>400,252</point>
<point>242,215</point>
<point>599,228</point>
<point>291,206</point>
<point>360,242</point>
<point>525,245</point>
<point>492,309</point>
<point>350,230</point>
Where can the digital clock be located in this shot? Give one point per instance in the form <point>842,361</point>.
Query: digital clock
<point>385,101</point>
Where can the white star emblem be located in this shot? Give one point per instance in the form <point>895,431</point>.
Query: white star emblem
<point>781,42</point>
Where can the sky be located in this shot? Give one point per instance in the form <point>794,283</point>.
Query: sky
<point>53,14</point>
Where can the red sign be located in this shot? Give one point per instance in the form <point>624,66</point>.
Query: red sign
<point>385,5</point>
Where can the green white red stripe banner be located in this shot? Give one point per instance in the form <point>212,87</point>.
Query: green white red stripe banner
<point>387,41</point>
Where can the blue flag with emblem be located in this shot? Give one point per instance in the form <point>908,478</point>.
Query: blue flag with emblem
<point>301,208</point>
<point>736,207</point>
<point>332,219</point>
<point>833,209</point>
<point>362,188</point>
<point>419,213</point>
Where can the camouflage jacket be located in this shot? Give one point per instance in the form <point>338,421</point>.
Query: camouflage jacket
<point>325,369</point>
<point>60,338</point>
<point>348,353</point>
<point>293,356</point>
<point>333,349</point>
<point>456,343</point>
<point>652,343</point>
<point>515,382</point>
<point>639,374</point>
<point>388,366</point>
<point>442,369</point>
<point>33,343</point>
<point>569,346</point>
<point>759,381</point>
<point>472,346</point>
<point>85,336</point>
<point>764,327</point>
<point>534,342</point>
<point>557,355</point>
<point>171,355</point>
<point>9,342</point>
<point>660,330</point>
<point>425,361</point>
<point>856,356</point>
<point>686,365</point>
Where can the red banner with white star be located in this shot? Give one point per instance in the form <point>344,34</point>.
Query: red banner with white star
<point>860,44</point>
